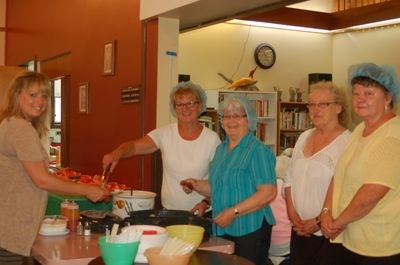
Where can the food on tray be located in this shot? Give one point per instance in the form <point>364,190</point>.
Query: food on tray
<point>72,175</point>
<point>53,224</point>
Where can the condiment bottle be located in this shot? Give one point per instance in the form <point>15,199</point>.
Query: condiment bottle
<point>86,229</point>
<point>79,229</point>
<point>64,208</point>
<point>73,217</point>
<point>58,157</point>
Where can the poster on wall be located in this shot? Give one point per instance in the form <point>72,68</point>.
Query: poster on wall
<point>84,98</point>
<point>109,58</point>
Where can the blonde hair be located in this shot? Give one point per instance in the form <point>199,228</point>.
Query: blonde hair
<point>11,107</point>
<point>339,97</point>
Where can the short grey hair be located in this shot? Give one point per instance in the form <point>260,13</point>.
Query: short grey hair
<point>239,102</point>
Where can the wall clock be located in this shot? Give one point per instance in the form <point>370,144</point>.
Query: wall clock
<point>265,55</point>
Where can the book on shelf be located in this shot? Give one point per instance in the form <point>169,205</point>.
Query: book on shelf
<point>207,121</point>
<point>261,132</point>
<point>294,119</point>
<point>261,107</point>
<point>288,140</point>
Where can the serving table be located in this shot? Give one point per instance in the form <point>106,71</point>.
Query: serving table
<point>201,257</point>
<point>73,249</point>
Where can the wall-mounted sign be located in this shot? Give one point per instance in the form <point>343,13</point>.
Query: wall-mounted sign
<point>130,94</point>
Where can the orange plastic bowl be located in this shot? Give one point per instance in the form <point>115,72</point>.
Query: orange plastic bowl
<point>154,258</point>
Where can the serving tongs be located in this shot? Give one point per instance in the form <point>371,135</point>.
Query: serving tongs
<point>106,175</point>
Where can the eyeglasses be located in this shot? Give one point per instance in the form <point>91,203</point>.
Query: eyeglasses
<point>233,117</point>
<point>189,104</point>
<point>320,105</point>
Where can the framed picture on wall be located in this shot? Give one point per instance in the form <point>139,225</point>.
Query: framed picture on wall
<point>109,58</point>
<point>84,98</point>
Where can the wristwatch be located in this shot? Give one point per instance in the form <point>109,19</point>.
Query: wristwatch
<point>236,212</point>
<point>325,210</point>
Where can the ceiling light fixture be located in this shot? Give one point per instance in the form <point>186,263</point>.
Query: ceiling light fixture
<point>378,24</point>
<point>315,30</point>
<point>276,26</point>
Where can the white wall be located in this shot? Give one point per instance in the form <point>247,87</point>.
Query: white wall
<point>227,47</point>
<point>219,48</point>
<point>167,69</point>
<point>315,5</point>
<point>149,8</point>
<point>380,46</point>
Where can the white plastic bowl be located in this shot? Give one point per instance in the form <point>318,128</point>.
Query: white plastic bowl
<point>151,240</point>
<point>125,202</point>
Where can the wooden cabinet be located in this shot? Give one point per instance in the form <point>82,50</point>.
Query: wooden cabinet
<point>266,106</point>
<point>293,120</point>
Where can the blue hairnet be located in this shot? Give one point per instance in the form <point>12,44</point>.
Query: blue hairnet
<point>384,75</point>
<point>247,106</point>
<point>192,86</point>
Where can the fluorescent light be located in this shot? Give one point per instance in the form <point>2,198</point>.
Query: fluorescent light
<point>297,28</point>
<point>275,26</point>
<point>374,24</point>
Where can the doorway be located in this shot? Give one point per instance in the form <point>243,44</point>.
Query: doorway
<point>58,69</point>
<point>59,122</point>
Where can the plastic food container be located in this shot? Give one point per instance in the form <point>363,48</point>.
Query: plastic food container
<point>188,233</point>
<point>118,253</point>
<point>127,201</point>
<point>154,257</point>
<point>153,236</point>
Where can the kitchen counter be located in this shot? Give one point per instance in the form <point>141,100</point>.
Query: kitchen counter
<point>73,249</point>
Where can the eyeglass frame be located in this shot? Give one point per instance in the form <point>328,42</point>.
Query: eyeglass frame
<point>320,105</point>
<point>232,117</point>
<point>189,104</point>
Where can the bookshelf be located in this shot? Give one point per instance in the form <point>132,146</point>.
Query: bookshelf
<point>209,118</point>
<point>266,106</point>
<point>293,120</point>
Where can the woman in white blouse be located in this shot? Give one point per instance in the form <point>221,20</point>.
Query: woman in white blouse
<point>311,168</point>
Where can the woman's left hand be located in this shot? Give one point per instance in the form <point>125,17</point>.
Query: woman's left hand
<point>225,218</point>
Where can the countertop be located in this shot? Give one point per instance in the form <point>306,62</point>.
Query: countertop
<point>73,249</point>
<point>201,257</point>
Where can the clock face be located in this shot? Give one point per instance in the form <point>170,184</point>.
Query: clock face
<point>265,55</point>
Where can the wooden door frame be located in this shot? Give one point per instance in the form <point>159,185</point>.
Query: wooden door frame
<point>60,67</point>
<point>65,121</point>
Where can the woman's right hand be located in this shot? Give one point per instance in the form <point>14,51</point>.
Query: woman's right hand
<point>298,224</point>
<point>198,185</point>
<point>109,159</point>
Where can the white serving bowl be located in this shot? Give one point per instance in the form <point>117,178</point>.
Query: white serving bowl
<point>150,240</point>
<point>125,202</point>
